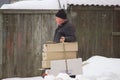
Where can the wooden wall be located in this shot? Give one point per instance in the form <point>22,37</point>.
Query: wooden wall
<point>116,33</point>
<point>0,46</point>
<point>24,34</point>
<point>94,27</point>
<point>12,1</point>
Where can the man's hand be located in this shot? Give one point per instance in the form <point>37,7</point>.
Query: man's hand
<point>62,39</point>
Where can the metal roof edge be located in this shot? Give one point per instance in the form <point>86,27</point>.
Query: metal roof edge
<point>93,5</point>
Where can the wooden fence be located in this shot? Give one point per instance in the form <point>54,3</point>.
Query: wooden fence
<point>0,46</point>
<point>24,33</point>
<point>95,26</point>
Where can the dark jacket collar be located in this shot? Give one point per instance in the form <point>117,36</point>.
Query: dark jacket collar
<point>63,24</point>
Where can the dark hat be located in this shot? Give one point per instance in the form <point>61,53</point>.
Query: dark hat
<point>61,14</point>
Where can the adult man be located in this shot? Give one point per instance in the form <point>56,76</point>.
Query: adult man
<point>65,31</point>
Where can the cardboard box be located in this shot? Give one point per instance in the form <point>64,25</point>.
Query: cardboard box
<point>59,55</point>
<point>60,47</point>
<point>74,66</point>
<point>57,51</point>
<point>45,64</point>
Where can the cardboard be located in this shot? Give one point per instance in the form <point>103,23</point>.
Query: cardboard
<point>59,55</point>
<point>45,64</point>
<point>59,66</point>
<point>58,47</point>
<point>58,51</point>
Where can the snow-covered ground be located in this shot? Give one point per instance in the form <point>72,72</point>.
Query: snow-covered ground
<point>95,68</point>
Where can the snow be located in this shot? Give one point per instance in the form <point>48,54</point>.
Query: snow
<point>97,65</point>
<point>54,4</point>
<point>95,68</point>
<point>30,78</point>
<point>33,4</point>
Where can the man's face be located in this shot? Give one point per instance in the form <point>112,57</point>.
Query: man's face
<point>59,20</point>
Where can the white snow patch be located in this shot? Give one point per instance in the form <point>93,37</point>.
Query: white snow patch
<point>33,4</point>
<point>28,78</point>
<point>56,4</point>
<point>98,65</point>
<point>97,68</point>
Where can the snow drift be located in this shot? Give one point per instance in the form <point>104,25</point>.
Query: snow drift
<point>33,4</point>
<point>95,68</point>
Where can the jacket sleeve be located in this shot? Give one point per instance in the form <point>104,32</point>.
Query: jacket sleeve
<point>70,34</point>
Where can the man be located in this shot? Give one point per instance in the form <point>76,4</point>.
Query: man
<point>65,31</point>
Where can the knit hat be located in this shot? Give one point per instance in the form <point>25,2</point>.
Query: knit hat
<point>61,14</point>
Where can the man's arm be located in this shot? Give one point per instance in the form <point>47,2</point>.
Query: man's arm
<point>70,34</point>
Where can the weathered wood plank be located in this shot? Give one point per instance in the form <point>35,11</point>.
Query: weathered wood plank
<point>1,45</point>
<point>8,50</point>
<point>116,45</point>
<point>24,37</point>
<point>27,11</point>
<point>94,27</point>
<point>1,38</point>
<point>116,33</point>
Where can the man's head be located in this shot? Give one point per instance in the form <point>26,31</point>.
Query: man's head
<point>61,16</point>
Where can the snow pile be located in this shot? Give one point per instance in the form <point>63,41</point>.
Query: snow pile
<point>49,77</point>
<point>33,4</point>
<point>30,78</point>
<point>56,4</point>
<point>95,68</point>
<point>98,65</point>
<point>63,76</point>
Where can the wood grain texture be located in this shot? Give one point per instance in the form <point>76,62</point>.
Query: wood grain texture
<point>94,27</point>
<point>23,38</point>
<point>1,45</point>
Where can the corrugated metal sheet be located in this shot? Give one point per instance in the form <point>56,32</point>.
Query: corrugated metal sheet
<point>95,2</point>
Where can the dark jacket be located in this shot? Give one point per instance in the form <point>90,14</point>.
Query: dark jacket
<point>67,30</point>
